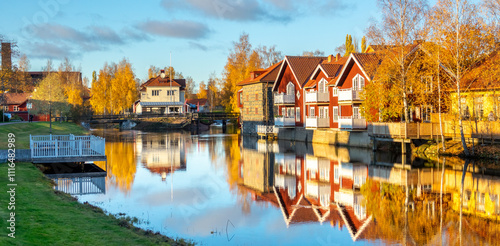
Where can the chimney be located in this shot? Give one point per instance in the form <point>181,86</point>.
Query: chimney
<point>330,57</point>
<point>6,56</point>
<point>337,57</point>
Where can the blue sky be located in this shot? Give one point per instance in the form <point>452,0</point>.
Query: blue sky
<point>198,33</point>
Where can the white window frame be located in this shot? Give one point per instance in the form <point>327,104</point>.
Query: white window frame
<point>283,112</point>
<point>290,112</point>
<point>356,113</point>
<point>336,174</point>
<point>358,82</point>
<point>16,108</point>
<point>427,85</point>
<point>312,111</point>
<point>335,91</point>
<point>290,88</point>
<point>297,114</point>
<point>322,85</point>
<point>335,111</point>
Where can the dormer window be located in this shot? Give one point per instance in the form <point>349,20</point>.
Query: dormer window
<point>358,82</point>
<point>335,91</point>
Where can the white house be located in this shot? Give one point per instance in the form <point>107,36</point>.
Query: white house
<point>161,95</point>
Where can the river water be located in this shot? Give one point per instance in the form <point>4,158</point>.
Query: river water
<point>224,189</point>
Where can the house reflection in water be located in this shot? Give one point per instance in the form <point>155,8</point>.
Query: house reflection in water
<point>162,154</point>
<point>322,184</point>
<point>80,185</point>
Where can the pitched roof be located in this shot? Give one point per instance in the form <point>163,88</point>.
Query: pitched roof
<point>303,66</point>
<point>481,76</point>
<point>368,61</point>
<point>264,75</point>
<point>201,101</point>
<point>158,81</point>
<point>16,98</point>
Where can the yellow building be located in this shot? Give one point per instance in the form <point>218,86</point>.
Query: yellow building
<point>480,91</point>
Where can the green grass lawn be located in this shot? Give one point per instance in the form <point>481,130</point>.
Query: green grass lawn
<point>46,217</point>
<point>23,131</point>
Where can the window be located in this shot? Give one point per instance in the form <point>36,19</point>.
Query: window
<point>335,91</point>
<point>358,82</point>
<point>465,108</point>
<point>311,111</point>
<point>290,112</point>
<point>325,110</point>
<point>321,113</point>
<point>336,174</point>
<point>290,88</point>
<point>426,113</point>
<point>355,113</point>
<point>335,114</point>
<point>427,83</point>
<point>170,93</point>
<point>16,108</point>
<point>5,108</point>
<point>241,98</point>
<point>283,112</point>
<point>478,107</point>
<point>155,92</point>
<point>298,166</point>
<point>297,114</point>
<point>322,86</point>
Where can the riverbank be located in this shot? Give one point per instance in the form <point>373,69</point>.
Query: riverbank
<point>23,131</point>
<point>431,150</point>
<point>166,124</point>
<point>46,217</point>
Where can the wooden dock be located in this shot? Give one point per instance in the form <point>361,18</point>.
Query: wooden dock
<point>67,148</point>
<point>267,132</point>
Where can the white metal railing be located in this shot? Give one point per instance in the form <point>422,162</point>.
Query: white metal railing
<point>317,122</point>
<point>349,95</point>
<point>264,129</point>
<point>66,146</point>
<point>317,97</point>
<point>282,98</point>
<point>284,121</point>
<point>81,185</point>
<point>347,122</point>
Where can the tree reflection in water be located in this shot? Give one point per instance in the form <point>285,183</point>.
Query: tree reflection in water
<point>373,199</point>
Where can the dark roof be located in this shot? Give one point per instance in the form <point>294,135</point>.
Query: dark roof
<point>265,75</point>
<point>158,81</point>
<point>368,61</point>
<point>16,98</point>
<point>303,66</point>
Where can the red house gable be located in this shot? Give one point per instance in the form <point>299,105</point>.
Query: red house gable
<point>294,73</point>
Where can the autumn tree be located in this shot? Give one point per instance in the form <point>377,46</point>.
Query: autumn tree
<point>363,45</point>
<point>402,22</point>
<point>240,62</point>
<point>115,89</point>
<point>349,45</point>
<point>101,91</point>
<point>202,90</point>
<point>463,38</point>
<point>24,82</point>
<point>49,97</point>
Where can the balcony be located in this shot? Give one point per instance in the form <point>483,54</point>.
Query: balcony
<point>348,123</point>
<point>317,122</point>
<point>284,121</point>
<point>315,97</point>
<point>349,95</point>
<point>282,98</point>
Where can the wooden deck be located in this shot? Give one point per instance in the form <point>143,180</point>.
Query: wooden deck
<point>485,130</point>
<point>66,148</point>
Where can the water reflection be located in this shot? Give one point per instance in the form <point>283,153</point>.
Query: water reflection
<point>375,196</point>
<point>162,154</point>
<point>280,192</point>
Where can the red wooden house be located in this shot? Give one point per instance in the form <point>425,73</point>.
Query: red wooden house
<point>358,70</point>
<point>317,93</point>
<point>294,73</point>
<point>17,104</point>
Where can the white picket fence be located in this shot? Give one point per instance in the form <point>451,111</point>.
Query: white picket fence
<point>53,146</point>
